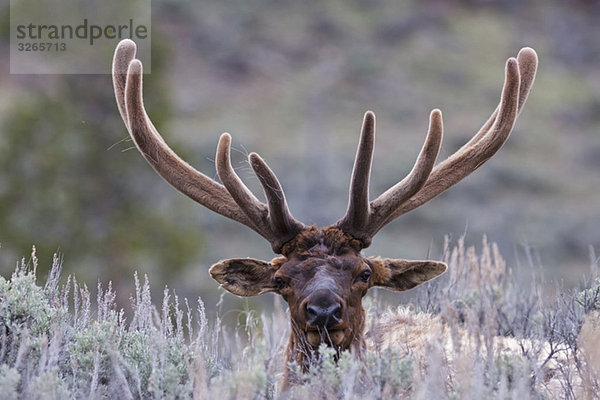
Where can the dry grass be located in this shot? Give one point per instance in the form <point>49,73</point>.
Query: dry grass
<point>474,333</point>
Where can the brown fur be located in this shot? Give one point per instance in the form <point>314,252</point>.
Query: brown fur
<point>314,240</point>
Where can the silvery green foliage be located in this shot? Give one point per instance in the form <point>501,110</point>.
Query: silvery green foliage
<point>53,346</point>
<point>385,375</point>
<point>590,298</point>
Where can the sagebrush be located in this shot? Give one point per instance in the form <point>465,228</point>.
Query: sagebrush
<point>57,342</point>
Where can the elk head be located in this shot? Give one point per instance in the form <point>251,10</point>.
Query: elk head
<point>321,273</point>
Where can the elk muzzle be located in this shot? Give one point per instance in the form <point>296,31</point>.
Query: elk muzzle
<point>324,317</point>
<point>323,312</point>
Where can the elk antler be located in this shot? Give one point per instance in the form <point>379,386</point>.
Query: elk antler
<point>233,200</point>
<point>364,219</point>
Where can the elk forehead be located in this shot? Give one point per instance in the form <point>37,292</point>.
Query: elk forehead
<point>327,241</point>
<point>319,258</point>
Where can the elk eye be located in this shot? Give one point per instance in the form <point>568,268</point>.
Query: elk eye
<point>280,282</point>
<point>365,275</point>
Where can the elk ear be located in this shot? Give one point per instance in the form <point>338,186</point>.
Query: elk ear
<point>404,274</point>
<point>244,276</point>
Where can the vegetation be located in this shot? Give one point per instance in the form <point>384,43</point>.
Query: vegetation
<point>291,81</point>
<point>54,343</point>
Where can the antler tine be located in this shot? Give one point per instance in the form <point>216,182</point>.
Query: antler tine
<point>277,224</point>
<point>357,214</point>
<point>250,205</point>
<point>124,54</point>
<point>528,61</point>
<point>283,224</point>
<point>199,187</point>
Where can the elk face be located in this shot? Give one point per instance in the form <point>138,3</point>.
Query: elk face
<point>323,279</point>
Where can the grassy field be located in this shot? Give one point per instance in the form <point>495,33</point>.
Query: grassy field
<point>497,338</point>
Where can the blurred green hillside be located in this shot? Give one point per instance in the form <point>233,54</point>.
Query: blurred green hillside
<point>291,81</point>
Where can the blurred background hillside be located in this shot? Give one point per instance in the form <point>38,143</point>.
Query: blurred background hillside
<point>291,81</point>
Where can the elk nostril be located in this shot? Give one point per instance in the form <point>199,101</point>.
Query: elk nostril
<point>336,312</point>
<point>312,313</point>
<point>317,316</point>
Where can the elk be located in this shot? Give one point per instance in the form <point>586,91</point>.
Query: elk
<point>321,272</point>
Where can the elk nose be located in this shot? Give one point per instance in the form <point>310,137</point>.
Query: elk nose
<point>324,316</point>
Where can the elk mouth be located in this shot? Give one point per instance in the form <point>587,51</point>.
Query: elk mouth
<point>331,337</point>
